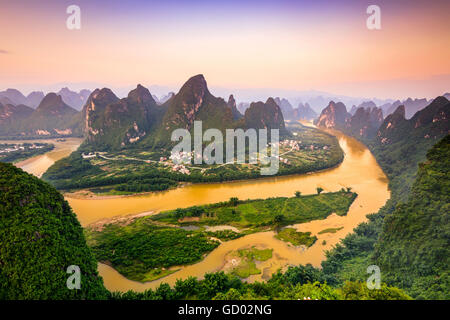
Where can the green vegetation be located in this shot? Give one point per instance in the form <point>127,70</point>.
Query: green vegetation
<point>296,238</point>
<point>408,240</point>
<point>413,249</point>
<point>263,214</point>
<point>18,152</point>
<point>40,238</point>
<point>224,235</point>
<point>147,247</point>
<point>297,283</point>
<point>134,169</point>
<point>142,251</point>
<point>330,230</point>
<point>247,259</point>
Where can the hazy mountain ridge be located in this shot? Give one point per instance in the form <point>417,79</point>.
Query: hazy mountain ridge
<point>16,97</point>
<point>367,121</point>
<point>334,116</point>
<point>266,115</point>
<point>74,99</point>
<point>51,118</point>
<point>430,122</point>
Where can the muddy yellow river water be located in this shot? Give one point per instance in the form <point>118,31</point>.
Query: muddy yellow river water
<point>39,164</point>
<point>359,170</point>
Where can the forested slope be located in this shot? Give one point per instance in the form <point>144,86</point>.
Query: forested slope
<point>40,237</point>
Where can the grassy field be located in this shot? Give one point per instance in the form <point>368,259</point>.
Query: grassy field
<point>263,214</point>
<point>247,259</point>
<point>151,247</point>
<point>143,251</point>
<point>296,238</point>
<point>330,230</point>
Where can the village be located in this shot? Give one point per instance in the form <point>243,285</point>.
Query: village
<point>8,148</point>
<point>180,161</point>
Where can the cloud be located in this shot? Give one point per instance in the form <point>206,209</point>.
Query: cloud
<point>3,51</point>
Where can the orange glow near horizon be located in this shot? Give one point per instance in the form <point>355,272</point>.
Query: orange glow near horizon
<point>290,50</point>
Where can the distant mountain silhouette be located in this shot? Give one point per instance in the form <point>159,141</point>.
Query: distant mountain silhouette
<point>74,99</point>
<point>429,123</point>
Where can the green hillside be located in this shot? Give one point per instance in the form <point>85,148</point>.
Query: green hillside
<point>400,145</point>
<point>413,250</point>
<point>40,237</point>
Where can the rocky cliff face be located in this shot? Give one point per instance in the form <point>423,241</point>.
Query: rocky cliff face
<point>110,123</point>
<point>113,123</point>
<point>365,122</point>
<point>94,109</point>
<point>195,102</point>
<point>232,104</point>
<point>266,115</point>
<point>431,122</point>
<point>334,116</point>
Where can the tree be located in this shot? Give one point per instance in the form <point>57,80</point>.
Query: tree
<point>279,218</point>
<point>298,194</point>
<point>234,201</point>
<point>319,190</point>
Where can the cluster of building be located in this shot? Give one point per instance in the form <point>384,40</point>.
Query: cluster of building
<point>293,144</point>
<point>88,155</point>
<point>181,169</point>
<point>180,157</point>
<point>17,147</point>
<point>284,160</point>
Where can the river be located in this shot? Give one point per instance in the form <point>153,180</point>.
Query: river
<point>359,170</point>
<point>39,164</point>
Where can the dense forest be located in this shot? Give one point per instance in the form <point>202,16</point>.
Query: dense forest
<point>144,248</point>
<point>40,238</point>
<point>408,239</point>
<point>297,283</point>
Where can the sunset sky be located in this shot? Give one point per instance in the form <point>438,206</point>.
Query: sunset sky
<point>291,45</point>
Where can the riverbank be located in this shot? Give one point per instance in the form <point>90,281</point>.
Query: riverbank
<point>359,171</point>
<point>39,164</point>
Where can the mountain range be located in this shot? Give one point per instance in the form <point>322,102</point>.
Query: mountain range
<point>302,112</point>
<point>52,117</point>
<point>113,123</point>
<point>74,99</point>
<point>367,120</point>
<point>429,123</point>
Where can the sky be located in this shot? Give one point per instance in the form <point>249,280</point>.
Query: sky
<point>239,45</point>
